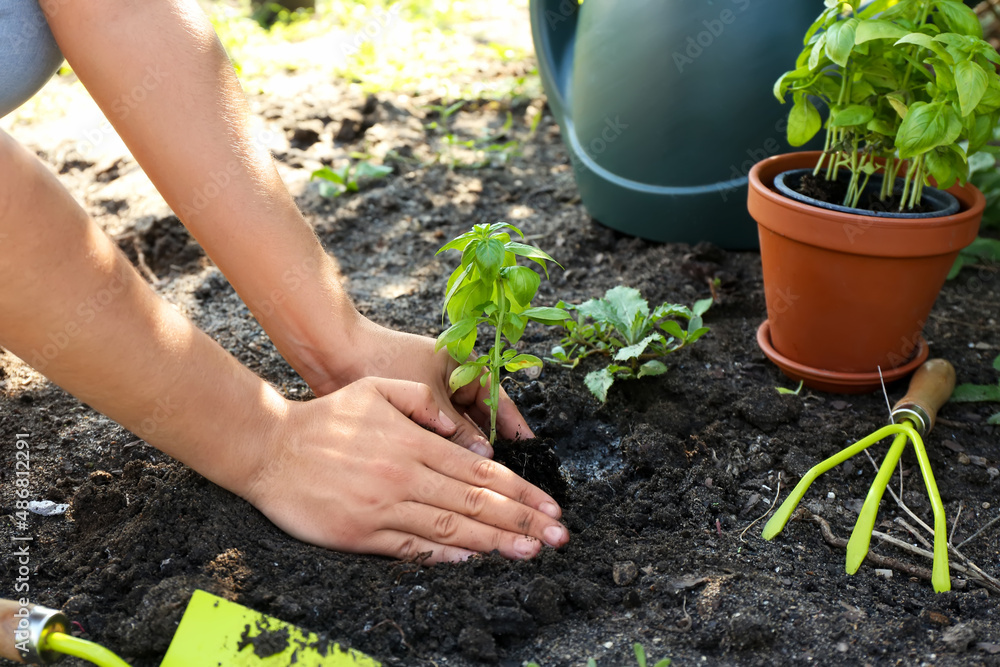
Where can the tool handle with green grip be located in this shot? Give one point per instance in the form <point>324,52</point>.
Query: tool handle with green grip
<point>930,388</point>
<point>23,629</point>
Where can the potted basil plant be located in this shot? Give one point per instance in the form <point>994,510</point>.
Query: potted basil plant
<point>856,240</point>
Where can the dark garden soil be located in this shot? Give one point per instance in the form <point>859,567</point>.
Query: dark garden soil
<point>666,482</point>
<point>833,192</point>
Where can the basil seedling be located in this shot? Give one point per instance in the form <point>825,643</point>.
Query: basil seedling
<point>488,287</point>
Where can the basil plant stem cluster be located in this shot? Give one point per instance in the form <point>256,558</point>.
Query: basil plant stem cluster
<point>488,287</point>
<point>908,84</point>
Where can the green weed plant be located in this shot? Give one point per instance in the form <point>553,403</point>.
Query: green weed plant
<point>622,326</point>
<point>349,178</point>
<point>974,393</point>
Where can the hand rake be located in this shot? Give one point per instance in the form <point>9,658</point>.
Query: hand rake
<point>912,417</point>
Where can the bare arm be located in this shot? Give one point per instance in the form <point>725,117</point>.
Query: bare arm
<point>352,471</point>
<point>162,78</point>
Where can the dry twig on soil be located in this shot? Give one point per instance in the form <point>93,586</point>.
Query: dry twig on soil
<point>874,559</point>
<point>764,515</point>
<point>979,532</point>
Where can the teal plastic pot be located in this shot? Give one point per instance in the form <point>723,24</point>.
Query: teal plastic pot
<point>665,105</point>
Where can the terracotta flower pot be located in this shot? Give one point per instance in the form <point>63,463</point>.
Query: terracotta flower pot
<point>848,294</point>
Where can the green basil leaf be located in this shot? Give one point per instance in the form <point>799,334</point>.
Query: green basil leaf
<point>959,18</point>
<point>803,121</point>
<point>455,283</point>
<point>849,116</point>
<point>897,103</point>
<point>941,168</point>
<point>972,82</point>
<point>927,126</point>
<point>875,7</point>
<point>786,79</point>
<point>327,174</point>
<point>523,283</point>
<point>545,315</point>
<point>496,227</point>
<point>456,332</point>
<point>840,41</point>
<point>990,101</point>
<point>696,334</point>
<point>861,90</point>
<point>984,248</point>
<point>463,375</point>
<point>987,51</point>
<point>820,22</point>
<point>468,300</point>
<point>532,253</point>
<point>980,161</point>
<point>878,29</point>
<point>881,127</point>
<point>489,259</point>
<point>457,243</point>
<point>522,361</point>
<point>961,42</point>
<point>513,328</point>
<point>918,38</point>
<point>817,52</point>
<point>956,267</point>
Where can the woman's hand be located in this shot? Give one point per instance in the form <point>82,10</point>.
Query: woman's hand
<point>366,469</point>
<point>376,351</point>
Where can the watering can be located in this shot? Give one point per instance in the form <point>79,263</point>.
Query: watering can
<point>665,105</point>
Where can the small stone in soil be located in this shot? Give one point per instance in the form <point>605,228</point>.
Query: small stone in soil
<point>959,638</point>
<point>624,573</point>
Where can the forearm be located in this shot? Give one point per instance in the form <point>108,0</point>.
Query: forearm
<point>74,308</point>
<point>164,81</point>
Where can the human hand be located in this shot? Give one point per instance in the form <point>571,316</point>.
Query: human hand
<point>381,352</point>
<point>367,469</point>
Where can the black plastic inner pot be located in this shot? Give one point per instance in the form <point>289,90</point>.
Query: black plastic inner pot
<point>940,202</point>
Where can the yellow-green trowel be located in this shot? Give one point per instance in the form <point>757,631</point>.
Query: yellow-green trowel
<point>212,633</point>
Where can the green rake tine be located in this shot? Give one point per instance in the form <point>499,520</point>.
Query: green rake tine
<point>857,546</point>
<point>940,578</point>
<point>784,513</point>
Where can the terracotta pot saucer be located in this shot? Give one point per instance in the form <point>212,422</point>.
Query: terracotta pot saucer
<point>834,381</point>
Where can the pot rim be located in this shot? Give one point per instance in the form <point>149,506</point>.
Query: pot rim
<point>858,234</point>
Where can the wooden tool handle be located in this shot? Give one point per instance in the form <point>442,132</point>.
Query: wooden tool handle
<point>930,388</point>
<point>8,625</point>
